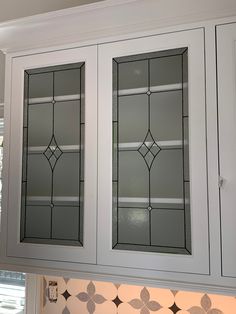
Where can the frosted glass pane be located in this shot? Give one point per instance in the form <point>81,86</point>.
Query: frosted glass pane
<point>67,123</point>
<point>133,75</point>
<point>166,70</point>
<point>166,115</point>
<point>38,176</point>
<point>133,175</point>
<point>65,223</point>
<point>40,124</point>
<point>38,222</point>
<point>41,85</point>
<point>133,226</point>
<point>66,175</point>
<point>151,211</point>
<point>53,155</point>
<point>115,215</point>
<point>135,109</point>
<point>188,216</point>
<point>67,82</point>
<point>167,227</point>
<point>186,150</point>
<point>167,175</point>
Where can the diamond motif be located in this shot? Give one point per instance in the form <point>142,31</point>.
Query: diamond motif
<point>174,308</point>
<point>53,152</point>
<point>117,301</point>
<point>149,149</point>
<point>66,294</point>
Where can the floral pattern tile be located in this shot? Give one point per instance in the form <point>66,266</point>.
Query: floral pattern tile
<point>92,297</point>
<point>144,304</point>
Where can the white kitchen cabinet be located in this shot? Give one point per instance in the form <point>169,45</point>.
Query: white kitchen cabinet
<point>51,208</point>
<point>137,101</point>
<point>226,62</point>
<point>152,197</point>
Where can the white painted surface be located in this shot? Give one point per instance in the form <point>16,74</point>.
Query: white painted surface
<point>87,253</point>
<point>2,76</point>
<point>14,9</point>
<point>226,61</point>
<point>106,19</point>
<point>30,33</point>
<point>198,262</point>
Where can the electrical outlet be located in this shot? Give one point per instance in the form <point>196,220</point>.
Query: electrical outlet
<point>52,291</point>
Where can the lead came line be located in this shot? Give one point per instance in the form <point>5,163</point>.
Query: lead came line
<point>150,148</point>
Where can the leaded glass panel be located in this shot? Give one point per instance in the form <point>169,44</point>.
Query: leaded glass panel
<point>53,161</point>
<point>151,198</point>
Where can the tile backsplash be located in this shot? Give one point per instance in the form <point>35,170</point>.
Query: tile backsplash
<point>75,296</point>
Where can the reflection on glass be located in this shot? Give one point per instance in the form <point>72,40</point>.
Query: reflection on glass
<point>52,167</point>
<point>151,207</point>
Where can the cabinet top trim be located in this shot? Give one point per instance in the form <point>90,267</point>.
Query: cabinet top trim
<point>108,18</point>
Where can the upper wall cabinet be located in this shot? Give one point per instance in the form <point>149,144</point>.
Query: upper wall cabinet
<point>152,193</point>
<point>111,148</point>
<point>150,197</point>
<point>51,203</point>
<point>226,61</point>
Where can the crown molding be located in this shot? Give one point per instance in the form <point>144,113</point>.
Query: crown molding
<point>98,21</point>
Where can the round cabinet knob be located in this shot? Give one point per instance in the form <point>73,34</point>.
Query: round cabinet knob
<point>221,182</point>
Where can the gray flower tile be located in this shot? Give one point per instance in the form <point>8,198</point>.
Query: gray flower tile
<point>83,296</point>
<point>145,296</point>
<point>144,310</point>
<point>99,299</point>
<point>91,298</point>
<point>117,285</point>
<point>205,307</point>
<point>91,289</point>
<point>174,292</point>
<point>153,306</point>
<point>66,280</point>
<point>215,311</point>
<point>206,302</point>
<point>196,310</point>
<point>66,311</point>
<point>136,304</point>
<point>91,306</point>
<point>144,304</point>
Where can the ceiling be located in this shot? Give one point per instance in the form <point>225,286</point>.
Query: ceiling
<point>13,9</point>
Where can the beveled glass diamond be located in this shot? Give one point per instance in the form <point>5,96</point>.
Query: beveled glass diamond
<point>53,152</point>
<point>149,149</point>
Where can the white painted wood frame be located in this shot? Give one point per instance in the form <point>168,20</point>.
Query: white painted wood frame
<point>226,65</point>
<point>198,262</point>
<point>13,159</point>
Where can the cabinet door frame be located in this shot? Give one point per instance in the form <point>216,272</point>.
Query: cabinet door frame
<point>226,75</point>
<point>13,158</point>
<point>198,262</point>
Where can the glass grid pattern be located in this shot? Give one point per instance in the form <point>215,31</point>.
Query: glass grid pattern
<point>58,157</point>
<point>147,220</point>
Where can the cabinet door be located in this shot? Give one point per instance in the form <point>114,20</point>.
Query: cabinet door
<point>52,190</point>
<point>152,185</point>
<point>226,62</point>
